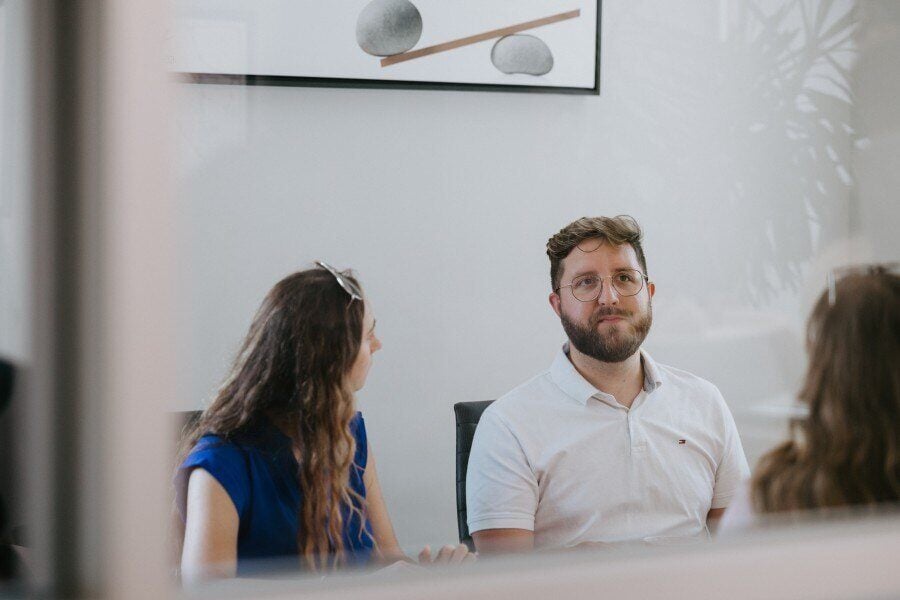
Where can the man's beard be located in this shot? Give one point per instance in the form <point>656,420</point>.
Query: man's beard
<point>613,346</point>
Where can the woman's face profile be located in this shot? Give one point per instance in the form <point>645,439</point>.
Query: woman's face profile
<point>369,345</point>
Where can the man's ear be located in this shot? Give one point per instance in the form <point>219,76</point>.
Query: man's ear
<point>555,302</point>
<point>651,289</point>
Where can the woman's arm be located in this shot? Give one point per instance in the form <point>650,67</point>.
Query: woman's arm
<point>211,530</point>
<point>388,546</point>
<point>385,538</point>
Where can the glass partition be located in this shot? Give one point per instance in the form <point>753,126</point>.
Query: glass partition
<point>749,140</point>
<point>754,143</point>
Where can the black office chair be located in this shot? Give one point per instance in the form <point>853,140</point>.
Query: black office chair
<point>10,566</point>
<point>7,378</point>
<point>467,416</point>
<point>186,419</point>
<point>183,421</point>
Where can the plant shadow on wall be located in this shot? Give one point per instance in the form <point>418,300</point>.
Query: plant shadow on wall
<point>752,133</point>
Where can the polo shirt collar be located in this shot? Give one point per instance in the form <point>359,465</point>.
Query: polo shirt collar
<point>570,381</point>
<point>652,375</point>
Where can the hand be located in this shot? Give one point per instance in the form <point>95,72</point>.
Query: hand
<point>448,555</point>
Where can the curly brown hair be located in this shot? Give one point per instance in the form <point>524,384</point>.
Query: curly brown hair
<point>622,229</point>
<point>292,369</point>
<point>846,452</point>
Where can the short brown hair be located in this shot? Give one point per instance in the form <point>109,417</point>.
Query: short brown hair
<point>619,230</point>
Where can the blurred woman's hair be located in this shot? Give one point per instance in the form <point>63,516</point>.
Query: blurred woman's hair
<point>292,368</point>
<point>847,451</point>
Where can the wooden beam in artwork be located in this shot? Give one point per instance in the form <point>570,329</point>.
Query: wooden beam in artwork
<point>481,37</point>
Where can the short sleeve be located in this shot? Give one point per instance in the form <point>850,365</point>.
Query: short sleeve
<point>223,460</point>
<point>733,468</point>
<point>501,488</point>
<point>740,515</point>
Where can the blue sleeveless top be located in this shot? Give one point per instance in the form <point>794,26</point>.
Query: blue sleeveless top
<point>258,470</point>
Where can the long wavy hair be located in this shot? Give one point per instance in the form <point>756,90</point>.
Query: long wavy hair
<point>292,369</point>
<point>846,452</point>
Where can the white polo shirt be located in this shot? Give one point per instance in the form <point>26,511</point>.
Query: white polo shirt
<point>558,457</point>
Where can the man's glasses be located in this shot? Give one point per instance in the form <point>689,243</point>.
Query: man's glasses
<point>587,288</point>
<point>348,286</point>
<point>836,275</point>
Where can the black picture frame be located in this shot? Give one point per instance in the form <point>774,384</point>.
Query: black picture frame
<point>336,82</point>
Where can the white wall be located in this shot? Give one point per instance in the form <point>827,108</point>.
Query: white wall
<point>719,126</point>
<point>14,223</point>
<point>14,178</point>
<point>877,85</point>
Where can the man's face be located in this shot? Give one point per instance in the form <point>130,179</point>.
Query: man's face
<point>612,327</point>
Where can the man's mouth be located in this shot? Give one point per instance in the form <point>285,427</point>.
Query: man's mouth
<point>609,318</point>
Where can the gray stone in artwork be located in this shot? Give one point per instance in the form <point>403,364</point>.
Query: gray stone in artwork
<point>522,54</point>
<point>387,27</point>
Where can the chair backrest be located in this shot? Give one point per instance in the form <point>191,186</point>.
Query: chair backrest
<point>7,378</point>
<point>184,420</point>
<point>467,416</point>
<point>187,418</point>
<point>10,567</point>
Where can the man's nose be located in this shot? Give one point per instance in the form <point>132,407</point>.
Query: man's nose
<point>608,294</point>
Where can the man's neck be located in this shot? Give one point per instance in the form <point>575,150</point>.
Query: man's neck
<point>623,380</point>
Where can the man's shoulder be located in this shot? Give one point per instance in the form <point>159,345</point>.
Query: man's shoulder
<point>689,385</point>
<point>532,394</point>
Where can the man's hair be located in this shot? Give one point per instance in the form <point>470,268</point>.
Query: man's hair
<point>619,230</point>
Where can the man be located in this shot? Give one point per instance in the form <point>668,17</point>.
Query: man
<point>607,445</point>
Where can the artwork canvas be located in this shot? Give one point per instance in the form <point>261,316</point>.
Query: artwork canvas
<point>510,45</point>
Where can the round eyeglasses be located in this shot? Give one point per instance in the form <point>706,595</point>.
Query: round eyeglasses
<point>587,288</point>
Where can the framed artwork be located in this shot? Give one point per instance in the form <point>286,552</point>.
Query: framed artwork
<point>500,45</point>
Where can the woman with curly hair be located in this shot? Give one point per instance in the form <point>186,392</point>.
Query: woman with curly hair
<point>846,451</point>
<point>279,466</point>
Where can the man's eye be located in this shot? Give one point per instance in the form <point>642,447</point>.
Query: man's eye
<point>586,282</point>
<point>627,277</point>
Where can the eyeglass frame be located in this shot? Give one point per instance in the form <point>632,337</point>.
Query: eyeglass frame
<point>644,281</point>
<point>835,275</point>
<point>348,286</point>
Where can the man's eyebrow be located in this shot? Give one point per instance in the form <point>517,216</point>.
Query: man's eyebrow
<point>594,271</point>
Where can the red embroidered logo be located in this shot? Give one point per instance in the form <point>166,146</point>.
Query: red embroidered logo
<point>682,441</point>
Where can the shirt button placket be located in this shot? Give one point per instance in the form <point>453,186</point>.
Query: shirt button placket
<point>634,433</point>
<point>630,430</point>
